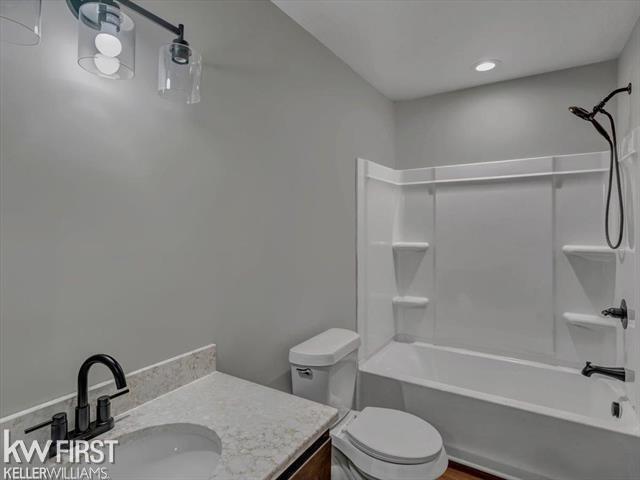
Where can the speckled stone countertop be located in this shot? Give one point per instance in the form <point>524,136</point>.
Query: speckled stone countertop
<point>262,430</point>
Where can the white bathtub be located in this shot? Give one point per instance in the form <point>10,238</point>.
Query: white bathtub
<point>518,419</point>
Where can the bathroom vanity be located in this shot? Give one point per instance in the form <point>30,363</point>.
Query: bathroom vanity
<point>263,433</point>
<point>183,419</point>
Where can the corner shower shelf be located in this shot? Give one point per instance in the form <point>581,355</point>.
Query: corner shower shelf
<point>410,302</point>
<point>410,246</point>
<point>591,252</point>
<point>589,321</point>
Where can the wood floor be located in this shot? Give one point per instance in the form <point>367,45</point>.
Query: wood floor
<point>462,472</point>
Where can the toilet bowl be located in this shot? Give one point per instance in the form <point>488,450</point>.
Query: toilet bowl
<point>385,444</point>
<point>376,443</point>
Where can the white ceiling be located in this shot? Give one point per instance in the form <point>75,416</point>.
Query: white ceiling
<point>411,48</point>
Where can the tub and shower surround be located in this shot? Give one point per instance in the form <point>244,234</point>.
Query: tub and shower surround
<point>503,261</point>
<point>502,257</point>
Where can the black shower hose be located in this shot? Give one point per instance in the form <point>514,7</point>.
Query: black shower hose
<point>614,167</point>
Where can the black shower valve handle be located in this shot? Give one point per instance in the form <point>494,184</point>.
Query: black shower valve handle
<point>620,312</point>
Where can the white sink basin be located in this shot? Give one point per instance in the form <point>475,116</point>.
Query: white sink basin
<point>166,452</point>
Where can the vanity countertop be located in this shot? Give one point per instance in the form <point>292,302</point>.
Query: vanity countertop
<point>262,430</point>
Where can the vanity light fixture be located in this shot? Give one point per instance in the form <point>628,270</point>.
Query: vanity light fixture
<point>20,21</point>
<point>486,65</point>
<point>106,42</point>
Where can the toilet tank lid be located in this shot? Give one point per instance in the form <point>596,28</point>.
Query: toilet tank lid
<point>327,348</point>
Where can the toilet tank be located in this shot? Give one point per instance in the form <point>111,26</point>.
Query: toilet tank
<point>324,368</point>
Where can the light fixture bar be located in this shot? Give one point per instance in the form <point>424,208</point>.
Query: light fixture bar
<point>179,30</point>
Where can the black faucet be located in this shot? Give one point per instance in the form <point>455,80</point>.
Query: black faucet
<point>85,429</point>
<point>618,373</point>
<point>83,423</point>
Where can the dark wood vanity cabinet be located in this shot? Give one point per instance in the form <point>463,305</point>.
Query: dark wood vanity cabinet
<point>313,464</point>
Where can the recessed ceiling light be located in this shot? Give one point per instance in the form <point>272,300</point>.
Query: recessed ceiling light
<point>486,65</point>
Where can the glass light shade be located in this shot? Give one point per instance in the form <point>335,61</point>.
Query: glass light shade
<point>179,72</point>
<point>106,41</point>
<point>20,21</point>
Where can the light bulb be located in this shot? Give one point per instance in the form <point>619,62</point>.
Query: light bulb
<point>107,44</point>
<point>106,65</point>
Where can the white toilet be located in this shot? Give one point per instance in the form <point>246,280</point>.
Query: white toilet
<point>376,443</point>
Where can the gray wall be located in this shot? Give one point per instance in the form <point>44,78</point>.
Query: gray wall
<point>520,118</point>
<point>144,229</point>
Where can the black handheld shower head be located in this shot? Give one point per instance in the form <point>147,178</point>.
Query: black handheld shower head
<point>614,167</point>
<point>580,112</point>
<point>589,117</point>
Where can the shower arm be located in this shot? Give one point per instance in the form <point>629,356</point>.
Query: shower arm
<point>600,107</point>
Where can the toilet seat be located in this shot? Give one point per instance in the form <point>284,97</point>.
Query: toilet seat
<point>364,446</point>
<point>394,436</point>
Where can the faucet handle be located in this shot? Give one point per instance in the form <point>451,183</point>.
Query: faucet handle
<point>58,420</point>
<point>38,426</point>
<point>118,394</point>
<point>59,430</point>
<point>103,409</point>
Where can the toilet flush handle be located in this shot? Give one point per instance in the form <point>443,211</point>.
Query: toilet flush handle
<point>304,372</point>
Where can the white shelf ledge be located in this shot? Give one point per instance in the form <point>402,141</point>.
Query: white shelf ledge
<point>410,246</point>
<point>591,252</point>
<point>410,302</point>
<point>589,321</point>
<point>492,178</point>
